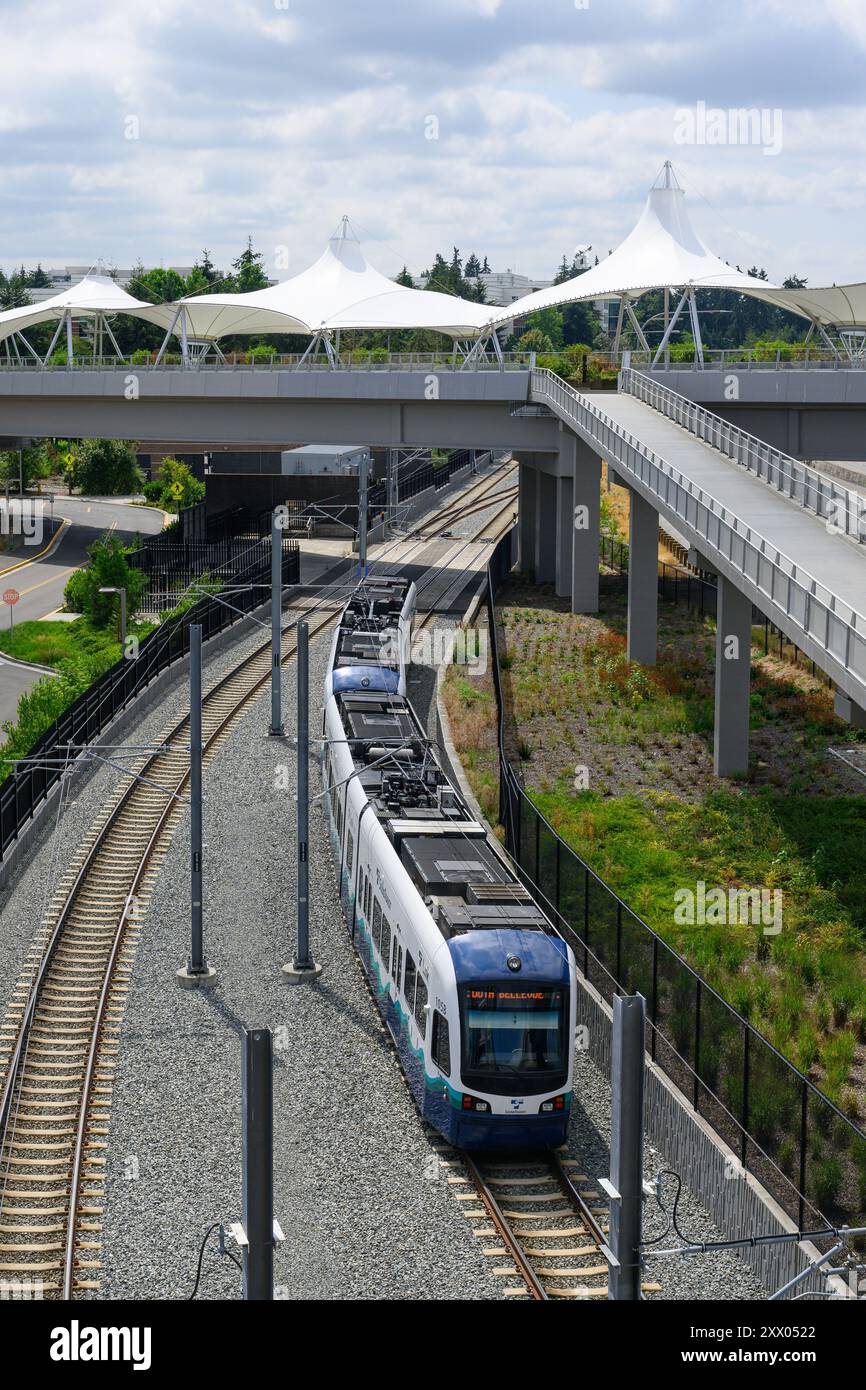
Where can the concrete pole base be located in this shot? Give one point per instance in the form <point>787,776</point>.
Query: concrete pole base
<point>199,979</point>
<point>276,733</point>
<point>297,975</point>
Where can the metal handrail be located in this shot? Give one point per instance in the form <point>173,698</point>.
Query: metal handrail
<point>802,484</point>
<point>355,360</point>
<point>838,628</point>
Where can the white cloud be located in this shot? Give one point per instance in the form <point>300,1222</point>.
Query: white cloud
<point>552,123</point>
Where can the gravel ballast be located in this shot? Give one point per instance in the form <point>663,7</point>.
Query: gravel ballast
<point>364,1206</point>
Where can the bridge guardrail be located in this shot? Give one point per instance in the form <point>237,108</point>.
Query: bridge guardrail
<point>363,361</point>
<point>802,484</point>
<point>836,627</point>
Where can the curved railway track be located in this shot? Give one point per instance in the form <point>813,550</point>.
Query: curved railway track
<point>60,1037</point>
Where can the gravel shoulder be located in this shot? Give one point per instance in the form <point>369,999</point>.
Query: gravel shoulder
<point>360,1197</point>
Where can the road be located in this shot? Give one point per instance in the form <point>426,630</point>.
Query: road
<point>41,582</point>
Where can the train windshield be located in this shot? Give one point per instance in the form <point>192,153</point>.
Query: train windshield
<point>514,1033</point>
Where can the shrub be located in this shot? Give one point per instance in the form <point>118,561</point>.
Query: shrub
<point>178,485</point>
<point>106,467</point>
<point>108,566</point>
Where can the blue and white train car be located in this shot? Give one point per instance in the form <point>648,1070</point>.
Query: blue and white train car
<point>374,638</point>
<point>475,985</point>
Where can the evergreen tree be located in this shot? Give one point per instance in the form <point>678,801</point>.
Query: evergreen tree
<point>37,278</point>
<point>206,267</point>
<point>13,291</point>
<point>249,273</point>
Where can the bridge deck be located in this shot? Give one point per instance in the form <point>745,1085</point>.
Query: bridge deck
<point>835,562</point>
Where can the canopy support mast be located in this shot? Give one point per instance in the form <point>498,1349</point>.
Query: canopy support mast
<point>169,331</point>
<point>670,328</point>
<point>696,327</point>
<point>636,326</point>
<point>619,318</point>
<point>57,332</point>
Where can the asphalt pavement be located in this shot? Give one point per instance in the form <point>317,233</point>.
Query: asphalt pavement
<point>40,581</point>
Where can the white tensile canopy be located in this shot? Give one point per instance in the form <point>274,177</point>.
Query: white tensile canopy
<point>835,306</point>
<point>662,252</point>
<point>340,291</point>
<point>96,296</point>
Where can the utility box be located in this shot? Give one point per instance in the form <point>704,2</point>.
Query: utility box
<point>316,460</point>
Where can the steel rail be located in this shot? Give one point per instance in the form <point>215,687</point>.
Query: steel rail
<point>158,830</point>
<point>494,1211</point>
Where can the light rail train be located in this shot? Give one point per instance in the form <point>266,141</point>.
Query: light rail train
<point>476,987</point>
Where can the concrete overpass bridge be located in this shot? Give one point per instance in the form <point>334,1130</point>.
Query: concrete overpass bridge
<point>812,411</point>
<point>777,533</point>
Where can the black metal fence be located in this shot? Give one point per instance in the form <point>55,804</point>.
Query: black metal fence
<point>171,566</point>
<point>438,473</point>
<point>806,1152</point>
<point>86,718</point>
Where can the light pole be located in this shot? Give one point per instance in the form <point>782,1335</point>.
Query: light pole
<point>113,589</point>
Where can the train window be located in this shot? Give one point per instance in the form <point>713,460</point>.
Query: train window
<point>409,981</point>
<point>397,963</point>
<point>369,896</point>
<point>350,852</point>
<point>377,920</point>
<point>421,1005</point>
<point>385,948</point>
<point>440,1046</point>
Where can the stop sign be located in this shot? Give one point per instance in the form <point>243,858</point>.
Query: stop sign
<point>11,596</point>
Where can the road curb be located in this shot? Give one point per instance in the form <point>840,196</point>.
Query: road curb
<point>43,554</point>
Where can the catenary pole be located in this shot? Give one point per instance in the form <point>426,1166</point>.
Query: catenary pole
<point>276,624</point>
<point>626,1145</point>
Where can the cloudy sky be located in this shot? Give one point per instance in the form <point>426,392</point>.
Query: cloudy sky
<point>516,128</point>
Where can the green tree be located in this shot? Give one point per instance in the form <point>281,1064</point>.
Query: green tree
<point>179,486</point>
<point>534,341</point>
<point>249,273</point>
<point>108,567</point>
<point>13,290</point>
<point>157,286</point>
<point>106,467</point>
<point>36,460</point>
<point>206,268</point>
<point>37,278</point>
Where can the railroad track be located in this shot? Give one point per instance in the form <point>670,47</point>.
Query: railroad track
<point>479,505</point>
<point>59,1039</point>
<point>534,1216</point>
<point>481,494</point>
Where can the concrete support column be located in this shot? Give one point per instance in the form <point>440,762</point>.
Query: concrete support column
<point>643,588</point>
<point>526,517</point>
<point>586,520</point>
<point>733,669</point>
<point>564,533</point>
<point>545,528</point>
